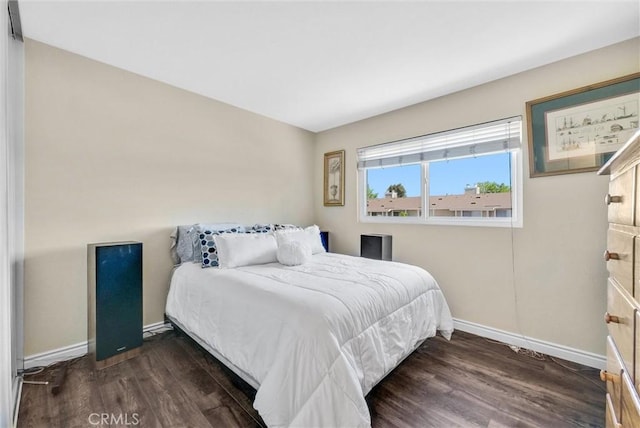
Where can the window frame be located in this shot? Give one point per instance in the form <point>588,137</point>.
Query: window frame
<point>517,188</point>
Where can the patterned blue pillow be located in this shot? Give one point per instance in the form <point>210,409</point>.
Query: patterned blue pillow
<point>286,227</point>
<point>208,248</point>
<point>260,228</point>
<point>201,227</point>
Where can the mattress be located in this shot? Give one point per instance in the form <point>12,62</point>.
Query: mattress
<point>313,338</point>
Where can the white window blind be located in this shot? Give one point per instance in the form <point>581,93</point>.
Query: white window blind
<point>490,137</point>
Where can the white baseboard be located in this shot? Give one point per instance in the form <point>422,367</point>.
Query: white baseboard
<point>570,354</point>
<point>73,351</point>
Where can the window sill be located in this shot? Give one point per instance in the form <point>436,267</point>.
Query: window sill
<point>458,221</point>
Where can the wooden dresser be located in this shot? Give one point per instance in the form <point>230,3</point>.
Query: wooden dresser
<point>622,256</point>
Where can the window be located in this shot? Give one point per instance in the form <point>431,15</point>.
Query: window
<point>469,176</point>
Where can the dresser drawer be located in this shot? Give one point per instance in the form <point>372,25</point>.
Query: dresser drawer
<point>610,417</point>
<point>620,319</point>
<point>613,377</point>
<point>630,404</point>
<point>636,269</point>
<point>621,198</point>
<point>636,367</point>
<point>620,258</point>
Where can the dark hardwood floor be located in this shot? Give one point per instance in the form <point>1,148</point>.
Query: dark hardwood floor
<point>467,382</point>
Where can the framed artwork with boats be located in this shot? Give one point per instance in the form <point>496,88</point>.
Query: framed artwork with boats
<point>580,129</point>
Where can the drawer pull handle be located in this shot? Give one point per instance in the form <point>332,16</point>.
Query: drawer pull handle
<point>606,376</point>
<point>608,318</point>
<point>610,256</point>
<point>609,199</point>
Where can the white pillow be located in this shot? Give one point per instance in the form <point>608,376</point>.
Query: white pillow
<point>309,235</point>
<point>239,249</point>
<point>294,253</point>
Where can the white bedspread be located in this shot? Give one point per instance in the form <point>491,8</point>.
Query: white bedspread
<point>316,337</point>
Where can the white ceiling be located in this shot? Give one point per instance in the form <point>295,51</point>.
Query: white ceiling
<point>318,65</point>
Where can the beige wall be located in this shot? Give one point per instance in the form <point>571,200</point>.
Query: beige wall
<point>554,290</point>
<point>114,156</point>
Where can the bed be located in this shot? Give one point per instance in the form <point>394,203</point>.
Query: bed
<point>313,338</point>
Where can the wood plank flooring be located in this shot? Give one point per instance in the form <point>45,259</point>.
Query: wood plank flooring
<point>467,382</point>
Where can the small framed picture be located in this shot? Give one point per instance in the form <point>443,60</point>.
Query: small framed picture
<point>334,178</point>
<point>579,130</point>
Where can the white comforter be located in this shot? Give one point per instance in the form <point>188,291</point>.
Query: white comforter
<point>316,337</point>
